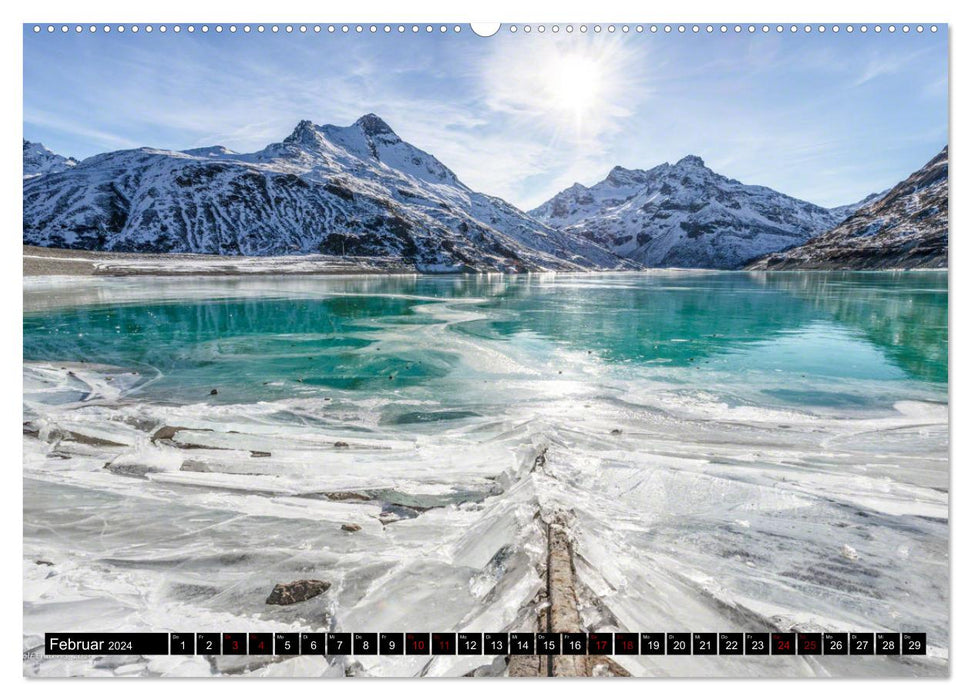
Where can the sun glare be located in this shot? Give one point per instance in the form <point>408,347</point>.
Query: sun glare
<point>575,83</point>
<point>575,89</point>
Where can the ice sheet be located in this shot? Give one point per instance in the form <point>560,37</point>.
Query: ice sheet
<point>699,497</point>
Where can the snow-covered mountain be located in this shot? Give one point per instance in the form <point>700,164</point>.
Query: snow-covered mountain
<point>40,160</point>
<point>905,228</point>
<point>685,215</point>
<point>356,190</point>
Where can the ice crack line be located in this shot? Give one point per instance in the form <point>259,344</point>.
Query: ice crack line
<point>560,611</point>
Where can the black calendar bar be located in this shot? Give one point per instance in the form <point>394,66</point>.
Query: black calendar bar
<point>115,644</point>
<point>864,644</point>
<point>286,643</point>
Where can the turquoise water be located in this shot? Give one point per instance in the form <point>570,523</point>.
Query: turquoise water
<point>255,340</point>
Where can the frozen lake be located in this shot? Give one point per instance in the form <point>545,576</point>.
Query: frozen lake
<point>732,451</point>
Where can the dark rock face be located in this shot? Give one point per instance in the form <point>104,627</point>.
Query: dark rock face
<point>905,229</point>
<point>373,125</point>
<point>296,591</point>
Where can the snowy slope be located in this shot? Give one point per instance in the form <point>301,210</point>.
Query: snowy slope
<point>905,228</point>
<point>847,210</point>
<point>40,160</point>
<point>685,215</point>
<point>356,190</point>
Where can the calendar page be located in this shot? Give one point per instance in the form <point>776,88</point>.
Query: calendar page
<point>470,350</point>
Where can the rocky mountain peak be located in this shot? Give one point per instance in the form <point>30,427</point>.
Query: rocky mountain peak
<point>684,215</point>
<point>304,133</point>
<point>618,174</point>
<point>690,161</point>
<point>40,160</point>
<point>373,125</point>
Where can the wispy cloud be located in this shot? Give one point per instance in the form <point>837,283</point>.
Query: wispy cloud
<point>108,140</point>
<point>887,63</point>
<point>825,118</point>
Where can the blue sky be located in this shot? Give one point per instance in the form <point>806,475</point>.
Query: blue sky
<point>828,118</point>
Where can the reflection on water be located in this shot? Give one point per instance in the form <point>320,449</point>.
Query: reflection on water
<point>680,320</point>
<point>902,313</point>
<point>367,333</point>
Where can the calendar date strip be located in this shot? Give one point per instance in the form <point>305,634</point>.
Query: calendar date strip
<point>487,643</point>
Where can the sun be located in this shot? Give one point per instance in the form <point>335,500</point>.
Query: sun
<point>571,89</point>
<point>575,83</point>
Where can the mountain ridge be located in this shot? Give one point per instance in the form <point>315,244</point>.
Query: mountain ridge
<point>685,215</point>
<point>356,190</point>
<point>361,190</point>
<point>40,160</point>
<point>905,227</point>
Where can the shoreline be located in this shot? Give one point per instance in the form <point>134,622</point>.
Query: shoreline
<point>60,262</point>
<point>64,262</point>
